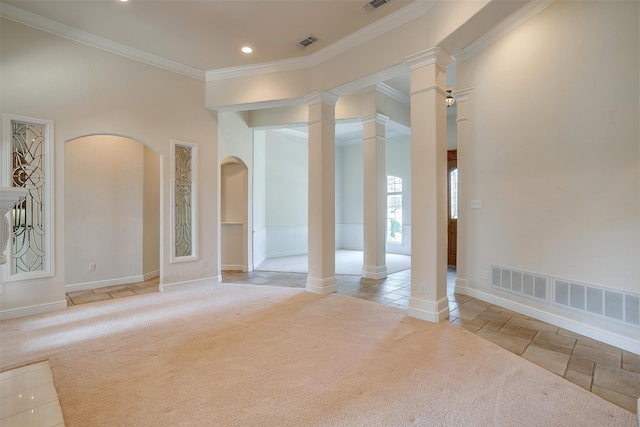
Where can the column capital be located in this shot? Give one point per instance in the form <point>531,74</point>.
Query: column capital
<point>322,96</point>
<point>434,55</point>
<point>377,117</point>
<point>462,95</point>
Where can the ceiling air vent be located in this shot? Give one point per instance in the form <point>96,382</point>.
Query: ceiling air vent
<point>374,4</point>
<point>306,42</point>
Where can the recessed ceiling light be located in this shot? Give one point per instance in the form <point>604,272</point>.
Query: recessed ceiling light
<point>247,49</point>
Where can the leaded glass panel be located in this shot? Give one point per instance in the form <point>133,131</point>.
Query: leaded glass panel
<point>29,217</point>
<point>183,201</point>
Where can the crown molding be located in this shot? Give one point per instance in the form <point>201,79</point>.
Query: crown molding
<point>383,25</point>
<point>21,16</point>
<point>434,55</point>
<point>516,19</point>
<point>378,118</point>
<point>462,95</point>
<point>393,94</point>
<point>388,23</point>
<point>291,132</point>
<point>322,96</point>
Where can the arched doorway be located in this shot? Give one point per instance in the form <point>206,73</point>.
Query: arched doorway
<point>112,212</point>
<point>234,215</point>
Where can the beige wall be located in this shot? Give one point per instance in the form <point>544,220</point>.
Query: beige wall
<point>151,214</point>
<point>553,151</point>
<point>104,210</point>
<point>87,91</point>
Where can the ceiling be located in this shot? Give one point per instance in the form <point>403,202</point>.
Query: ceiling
<point>208,34</point>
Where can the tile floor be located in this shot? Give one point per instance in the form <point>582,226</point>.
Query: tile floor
<point>607,371</point>
<point>111,292</point>
<point>29,397</point>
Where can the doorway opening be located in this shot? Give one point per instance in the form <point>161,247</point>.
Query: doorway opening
<point>112,218</point>
<point>234,215</point>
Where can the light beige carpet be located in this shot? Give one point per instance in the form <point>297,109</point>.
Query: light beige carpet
<point>245,355</point>
<point>347,262</point>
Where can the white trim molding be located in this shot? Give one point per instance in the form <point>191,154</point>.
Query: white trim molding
<point>388,23</point>
<point>521,16</point>
<point>393,94</point>
<point>462,95</point>
<point>13,313</point>
<point>194,202</point>
<point>321,286</point>
<point>432,311</point>
<point>322,96</point>
<point>104,283</point>
<point>434,55</point>
<point>598,334</point>
<point>30,19</point>
<point>6,180</point>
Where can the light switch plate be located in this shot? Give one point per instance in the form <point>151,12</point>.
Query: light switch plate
<point>476,204</point>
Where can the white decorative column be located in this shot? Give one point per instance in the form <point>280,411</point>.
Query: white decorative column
<point>428,299</point>
<point>373,153</point>
<point>321,278</point>
<point>462,96</point>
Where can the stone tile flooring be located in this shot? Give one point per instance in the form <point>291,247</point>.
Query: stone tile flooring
<point>610,372</point>
<point>111,292</point>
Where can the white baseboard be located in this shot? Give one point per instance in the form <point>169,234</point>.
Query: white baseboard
<point>13,313</point>
<point>235,267</point>
<point>374,271</point>
<point>589,331</point>
<point>105,283</point>
<point>164,287</point>
<point>151,275</point>
<point>321,286</point>
<point>432,311</point>
<point>288,253</point>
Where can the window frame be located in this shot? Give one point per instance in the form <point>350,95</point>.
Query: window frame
<point>48,199</point>
<point>387,219</point>
<point>194,202</point>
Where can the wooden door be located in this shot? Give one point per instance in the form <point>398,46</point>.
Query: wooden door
<point>452,210</point>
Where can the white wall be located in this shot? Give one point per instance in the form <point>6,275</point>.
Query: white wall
<point>286,189</point>
<point>88,91</point>
<point>553,153</point>
<point>338,190</point>
<point>259,198</point>
<point>352,227</point>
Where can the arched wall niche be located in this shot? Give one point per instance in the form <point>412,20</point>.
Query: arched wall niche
<point>234,214</point>
<point>112,215</point>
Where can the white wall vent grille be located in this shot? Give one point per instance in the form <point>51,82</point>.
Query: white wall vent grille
<point>374,4</point>
<point>609,303</point>
<point>520,282</point>
<point>309,40</point>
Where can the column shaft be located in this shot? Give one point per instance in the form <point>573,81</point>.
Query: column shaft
<point>462,98</point>
<point>321,278</point>
<point>428,299</point>
<point>373,153</point>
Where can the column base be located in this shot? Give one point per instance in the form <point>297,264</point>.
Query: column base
<point>321,286</point>
<point>432,311</point>
<point>374,271</point>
